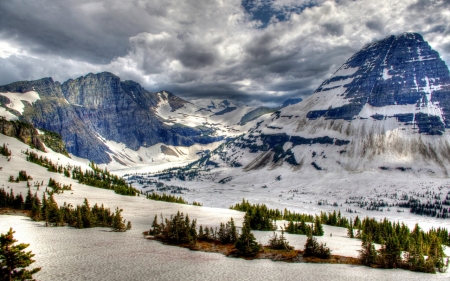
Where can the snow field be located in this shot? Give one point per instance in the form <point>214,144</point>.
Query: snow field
<point>97,254</point>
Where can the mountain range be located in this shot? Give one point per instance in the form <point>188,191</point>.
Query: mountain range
<point>386,108</point>
<point>99,117</point>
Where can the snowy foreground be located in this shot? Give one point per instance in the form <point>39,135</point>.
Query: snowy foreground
<point>97,254</point>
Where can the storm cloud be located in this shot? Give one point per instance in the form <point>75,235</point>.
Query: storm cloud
<point>260,51</point>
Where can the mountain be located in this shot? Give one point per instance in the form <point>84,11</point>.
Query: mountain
<point>89,110</point>
<point>386,109</point>
<point>106,120</point>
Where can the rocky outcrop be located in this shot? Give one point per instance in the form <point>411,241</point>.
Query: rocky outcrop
<point>22,131</point>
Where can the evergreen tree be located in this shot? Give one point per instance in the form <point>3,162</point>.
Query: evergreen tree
<point>318,229</point>
<point>233,235</point>
<point>14,260</point>
<point>389,254</point>
<point>86,214</point>
<point>246,244</point>
<point>118,222</point>
<point>155,230</point>
<point>279,243</point>
<point>314,249</point>
<point>368,254</point>
<point>350,231</point>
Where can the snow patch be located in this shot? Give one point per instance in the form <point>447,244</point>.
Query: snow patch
<point>346,71</point>
<point>16,99</point>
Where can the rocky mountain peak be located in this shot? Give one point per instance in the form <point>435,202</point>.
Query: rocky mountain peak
<point>398,70</point>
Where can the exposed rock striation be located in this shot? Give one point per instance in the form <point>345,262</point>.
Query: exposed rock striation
<point>399,70</point>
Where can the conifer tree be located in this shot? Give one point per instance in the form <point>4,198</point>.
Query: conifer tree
<point>368,254</point>
<point>350,233</point>
<point>246,244</point>
<point>118,222</point>
<point>318,229</point>
<point>79,223</point>
<point>314,249</point>
<point>233,235</point>
<point>389,254</point>
<point>279,243</point>
<point>86,214</point>
<point>155,230</point>
<point>14,260</point>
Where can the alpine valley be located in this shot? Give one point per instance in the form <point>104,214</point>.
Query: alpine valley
<point>372,140</point>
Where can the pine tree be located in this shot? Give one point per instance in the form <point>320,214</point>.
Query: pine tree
<point>155,230</point>
<point>246,244</point>
<point>118,222</point>
<point>13,259</point>
<point>318,229</point>
<point>350,233</point>
<point>314,249</point>
<point>389,254</point>
<point>233,235</point>
<point>368,254</point>
<point>279,243</point>
<point>86,214</point>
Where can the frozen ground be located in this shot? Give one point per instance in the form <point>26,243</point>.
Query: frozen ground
<point>304,191</point>
<point>97,254</point>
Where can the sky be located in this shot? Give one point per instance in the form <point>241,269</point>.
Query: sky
<point>249,51</point>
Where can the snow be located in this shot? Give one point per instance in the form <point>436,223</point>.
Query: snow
<point>16,102</point>
<point>346,71</point>
<point>386,74</point>
<point>196,113</point>
<point>153,156</point>
<point>341,83</point>
<point>65,253</point>
<point>8,115</point>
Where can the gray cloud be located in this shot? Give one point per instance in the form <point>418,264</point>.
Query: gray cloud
<point>205,48</point>
<point>376,24</point>
<point>335,29</point>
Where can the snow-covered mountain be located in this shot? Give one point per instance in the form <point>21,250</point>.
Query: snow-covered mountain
<point>119,123</point>
<point>386,108</point>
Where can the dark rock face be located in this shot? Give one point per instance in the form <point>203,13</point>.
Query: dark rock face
<point>22,131</point>
<point>53,113</point>
<point>399,70</point>
<point>291,102</point>
<point>100,104</point>
<point>429,124</point>
<point>276,142</point>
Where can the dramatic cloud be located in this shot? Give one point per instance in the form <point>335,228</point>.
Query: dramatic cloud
<point>252,51</point>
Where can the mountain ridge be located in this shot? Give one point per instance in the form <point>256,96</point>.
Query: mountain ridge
<point>97,113</point>
<point>385,108</point>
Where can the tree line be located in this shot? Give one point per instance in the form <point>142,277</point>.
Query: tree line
<point>400,247</point>
<point>48,211</point>
<point>166,198</point>
<point>95,177</point>
<point>179,229</point>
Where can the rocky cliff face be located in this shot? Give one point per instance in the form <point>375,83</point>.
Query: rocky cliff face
<point>89,109</point>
